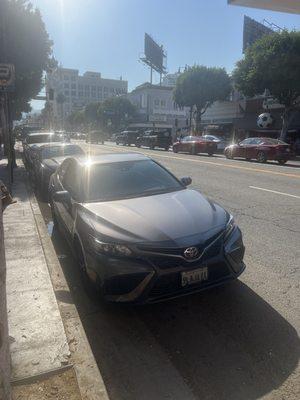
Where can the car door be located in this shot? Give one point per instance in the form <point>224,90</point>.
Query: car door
<point>252,148</point>
<point>70,178</point>
<point>185,144</point>
<point>240,150</point>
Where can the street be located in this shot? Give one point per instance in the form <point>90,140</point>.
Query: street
<point>235,342</point>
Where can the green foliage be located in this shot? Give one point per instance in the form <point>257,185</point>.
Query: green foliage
<point>200,86</point>
<point>76,120</point>
<point>116,112</point>
<point>273,63</point>
<point>28,47</point>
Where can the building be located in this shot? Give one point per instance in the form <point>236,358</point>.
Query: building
<point>288,6</point>
<point>156,107</point>
<point>79,90</point>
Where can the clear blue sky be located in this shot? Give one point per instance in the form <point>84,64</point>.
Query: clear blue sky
<point>107,35</point>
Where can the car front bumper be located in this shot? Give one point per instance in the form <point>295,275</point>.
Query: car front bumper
<point>153,279</point>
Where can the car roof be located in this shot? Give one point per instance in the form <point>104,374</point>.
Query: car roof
<point>57,144</point>
<point>110,158</point>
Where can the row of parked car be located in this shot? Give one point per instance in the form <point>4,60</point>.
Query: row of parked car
<point>260,149</point>
<point>138,234</point>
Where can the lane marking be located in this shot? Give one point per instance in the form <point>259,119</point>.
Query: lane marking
<point>275,191</point>
<point>213,163</point>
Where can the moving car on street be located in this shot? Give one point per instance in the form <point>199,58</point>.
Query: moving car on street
<point>127,138</point>
<point>155,138</point>
<point>95,137</point>
<point>260,149</point>
<point>195,145</point>
<point>46,160</point>
<point>138,233</point>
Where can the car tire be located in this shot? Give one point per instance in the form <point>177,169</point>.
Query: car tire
<point>210,154</point>
<point>166,148</point>
<point>175,150</point>
<point>248,159</point>
<point>261,157</point>
<point>193,151</point>
<point>138,145</point>
<point>228,154</point>
<point>152,147</point>
<point>54,218</point>
<point>282,162</point>
<point>90,287</point>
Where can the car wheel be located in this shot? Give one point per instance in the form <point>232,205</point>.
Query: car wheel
<point>193,150</point>
<point>228,154</point>
<point>167,148</point>
<point>54,218</point>
<point>261,157</point>
<point>282,162</point>
<point>90,286</point>
<point>210,154</point>
<point>248,159</point>
<point>138,145</point>
<point>151,146</point>
<point>175,150</point>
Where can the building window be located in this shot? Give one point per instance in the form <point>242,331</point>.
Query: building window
<point>66,78</point>
<point>67,93</point>
<point>99,89</point>
<point>87,88</point>
<point>73,86</point>
<point>73,93</point>
<point>156,103</point>
<point>163,103</point>
<point>80,94</point>
<point>105,89</point>
<point>80,87</point>
<point>112,90</point>
<point>66,86</point>
<point>73,78</point>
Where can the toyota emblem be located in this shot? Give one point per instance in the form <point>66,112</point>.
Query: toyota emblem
<point>191,253</point>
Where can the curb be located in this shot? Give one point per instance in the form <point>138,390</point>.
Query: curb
<point>89,379</point>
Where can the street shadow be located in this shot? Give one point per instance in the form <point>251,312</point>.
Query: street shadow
<point>226,343</point>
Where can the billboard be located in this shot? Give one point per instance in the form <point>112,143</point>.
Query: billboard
<point>253,31</point>
<point>154,54</point>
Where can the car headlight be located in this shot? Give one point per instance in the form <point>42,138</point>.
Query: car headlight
<point>115,249</point>
<point>229,227</point>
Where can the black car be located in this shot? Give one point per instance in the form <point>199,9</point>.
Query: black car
<point>139,234</point>
<point>152,139</point>
<point>47,158</point>
<point>95,137</point>
<point>127,138</point>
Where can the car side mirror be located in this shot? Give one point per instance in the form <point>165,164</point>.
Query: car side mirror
<point>63,196</point>
<point>186,180</point>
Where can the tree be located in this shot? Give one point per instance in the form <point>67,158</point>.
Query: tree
<point>199,86</point>
<point>61,99</point>
<point>25,43</point>
<point>116,110</point>
<point>76,120</point>
<point>91,114</point>
<point>273,63</point>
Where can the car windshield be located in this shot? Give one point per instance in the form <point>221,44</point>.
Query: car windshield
<point>57,151</point>
<point>123,180</point>
<point>43,138</point>
<point>272,141</point>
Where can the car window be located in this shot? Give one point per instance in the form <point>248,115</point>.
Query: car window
<point>246,141</point>
<point>128,179</point>
<point>71,179</point>
<point>42,139</point>
<point>59,151</point>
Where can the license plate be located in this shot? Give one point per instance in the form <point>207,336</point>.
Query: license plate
<point>195,276</point>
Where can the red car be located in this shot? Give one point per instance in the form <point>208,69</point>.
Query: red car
<point>260,149</point>
<point>195,145</point>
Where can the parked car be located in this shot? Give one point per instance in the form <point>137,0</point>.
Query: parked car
<point>220,141</point>
<point>33,139</point>
<point>95,137</point>
<point>152,139</point>
<point>127,138</point>
<point>260,149</point>
<point>47,158</point>
<point>65,136</point>
<point>138,233</point>
<point>195,145</point>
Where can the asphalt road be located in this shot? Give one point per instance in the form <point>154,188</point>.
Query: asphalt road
<point>237,342</point>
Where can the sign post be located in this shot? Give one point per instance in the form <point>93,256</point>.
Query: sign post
<point>7,85</point>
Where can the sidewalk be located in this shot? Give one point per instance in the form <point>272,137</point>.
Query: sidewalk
<point>43,366</point>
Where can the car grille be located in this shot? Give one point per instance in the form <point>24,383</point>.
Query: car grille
<point>170,284</point>
<point>164,258</point>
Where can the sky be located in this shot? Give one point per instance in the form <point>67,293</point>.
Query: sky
<point>107,36</point>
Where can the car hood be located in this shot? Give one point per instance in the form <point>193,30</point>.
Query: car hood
<point>176,219</point>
